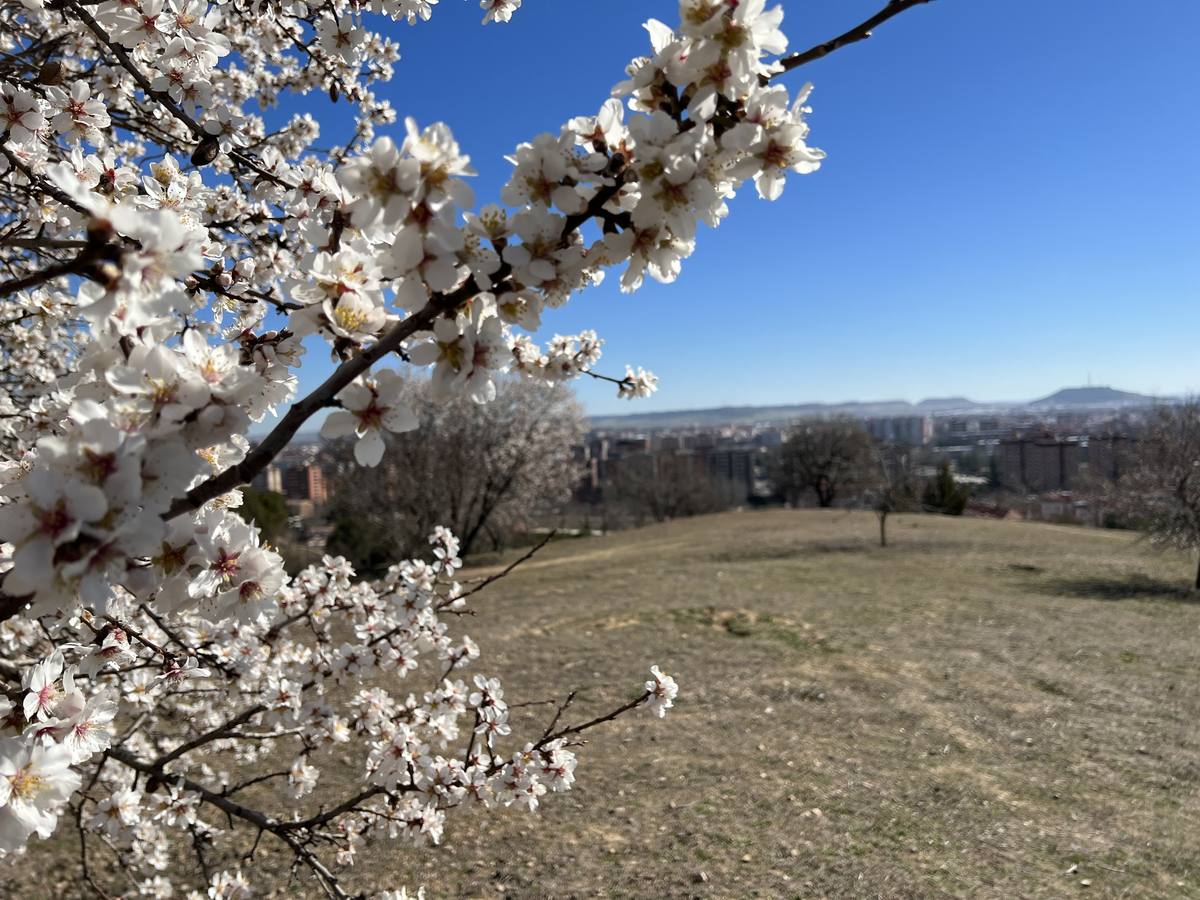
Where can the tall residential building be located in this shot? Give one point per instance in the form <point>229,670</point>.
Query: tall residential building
<point>915,431</point>
<point>269,479</point>
<point>305,483</point>
<point>1109,456</point>
<point>735,466</point>
<point>1037,464</point>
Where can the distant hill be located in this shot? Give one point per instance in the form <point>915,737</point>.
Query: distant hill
<point>937,404</point>
<point>746,415</point>
<point>1093,396</point>
<point>1067,398</point>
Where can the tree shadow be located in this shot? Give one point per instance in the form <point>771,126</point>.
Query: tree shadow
<point>1130,587</point>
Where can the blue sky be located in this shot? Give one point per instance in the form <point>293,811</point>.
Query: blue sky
<point>1010,204</point>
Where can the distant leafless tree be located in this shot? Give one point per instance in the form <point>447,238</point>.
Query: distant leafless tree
<point>892,485</point>
<point>824,457</point>
<point>666,486</point>
<point>1160,492</point>
<point>483,470</point>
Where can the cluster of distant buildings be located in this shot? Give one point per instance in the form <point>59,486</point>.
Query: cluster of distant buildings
<point>297,474</point>
<point>735,457</point>
<point>1041,465</point>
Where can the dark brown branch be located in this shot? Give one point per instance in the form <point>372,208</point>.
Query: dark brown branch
<point>237,810</point>
<point>592,723</point>
<point>37,243</point>
<point>262,455</point>
<point>230,807</point>
<point>215,734</point>
<point>321,818</point>
<point>258,779</point>
<point>162,97</point>
<point>492,579</point>
<point>859,32</point>
<point>42,184</point>
<point>126,62</point>
<point>33,279</point>
<point>562,708</point>
<point>11,605</point>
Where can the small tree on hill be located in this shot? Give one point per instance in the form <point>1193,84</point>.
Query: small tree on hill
<point>943,494</point>
<point>665,486</point>
<point>894,487</point>
<point>825,457</point>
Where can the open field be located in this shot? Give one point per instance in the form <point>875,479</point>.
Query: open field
<point>983,709</point>
<point>970,712</point>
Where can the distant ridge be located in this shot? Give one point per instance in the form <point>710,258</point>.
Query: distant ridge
<point>935,404</point>
<point>1067,398</point>
<point>746,415</point>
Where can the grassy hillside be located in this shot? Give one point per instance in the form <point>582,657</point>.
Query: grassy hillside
<point>983,709</point>
<point>971,712</point>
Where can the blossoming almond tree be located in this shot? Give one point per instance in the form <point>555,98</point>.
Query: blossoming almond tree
<point>164,256</point>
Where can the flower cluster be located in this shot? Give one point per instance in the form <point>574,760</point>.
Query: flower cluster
<point>166,253</point>
<point>319,672</point>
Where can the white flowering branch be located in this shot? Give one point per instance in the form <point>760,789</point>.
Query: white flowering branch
<point>164,257</point>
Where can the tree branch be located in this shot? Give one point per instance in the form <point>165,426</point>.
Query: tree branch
<point>859,32</point>
<point>491,579</point>
<point>260,457</point>
<point>232,808</point>
<point>162,97</point>
<point>592,723</point>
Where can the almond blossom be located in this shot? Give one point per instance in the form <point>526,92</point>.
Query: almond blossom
<point>173,246</point>
<point>369,407</point>
<point>21,115</point>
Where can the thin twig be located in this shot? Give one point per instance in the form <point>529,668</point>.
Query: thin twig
<point>859,32</point>
<point>492,579</point>
<point>562,708</point>
<point>592,723</point>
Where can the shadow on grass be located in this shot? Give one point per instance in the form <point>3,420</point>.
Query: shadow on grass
<point>1130,587</point>
<point>867,546</point>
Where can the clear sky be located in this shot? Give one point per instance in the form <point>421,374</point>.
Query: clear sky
<point>1010,204</point>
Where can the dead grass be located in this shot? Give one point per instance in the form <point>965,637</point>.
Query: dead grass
<point>966,713</point>
<point>962,714</point>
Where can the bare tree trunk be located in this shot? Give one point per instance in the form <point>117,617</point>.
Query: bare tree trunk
<point>883,531</point>
<point>825,493</point>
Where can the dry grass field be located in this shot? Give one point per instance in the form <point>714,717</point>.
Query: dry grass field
<point>982,709</point>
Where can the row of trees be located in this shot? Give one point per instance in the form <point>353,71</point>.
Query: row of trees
<point>499,469</point>
<point>836,461</point>
<point>1156,492</point>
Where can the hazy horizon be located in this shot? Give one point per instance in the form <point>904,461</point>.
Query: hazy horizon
<point>630,409</point>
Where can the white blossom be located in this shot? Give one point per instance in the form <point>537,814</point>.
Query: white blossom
<point>160,650</point>
<point>369,408</point>
<point>661,692</point>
